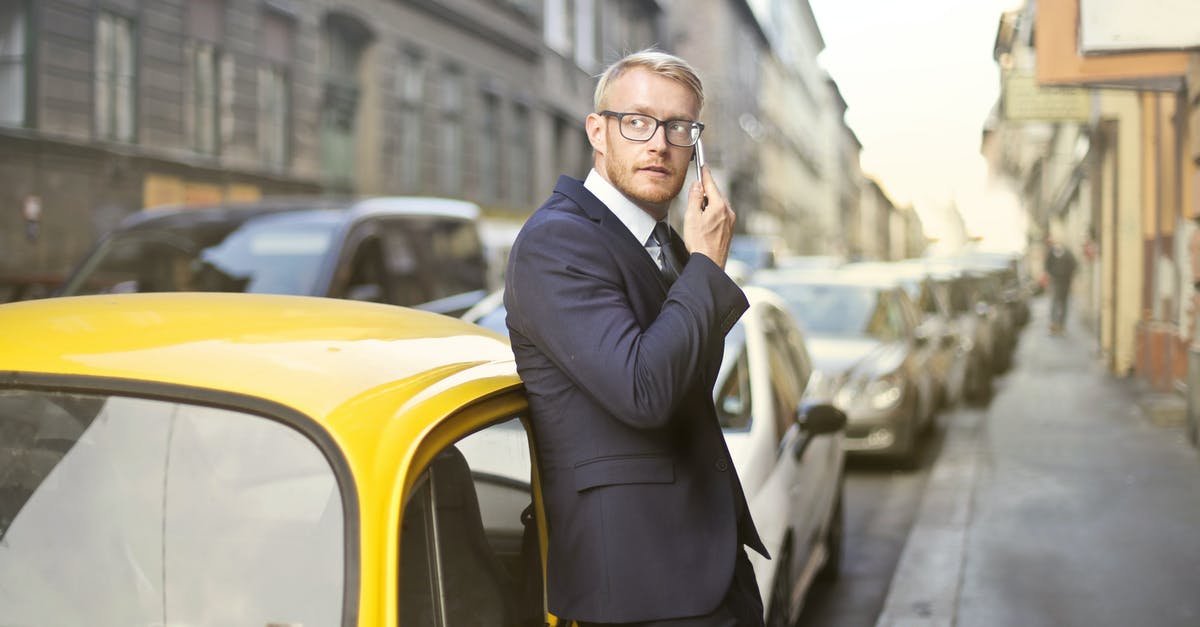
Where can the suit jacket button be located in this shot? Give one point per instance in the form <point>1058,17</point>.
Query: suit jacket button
<point>722,465</point>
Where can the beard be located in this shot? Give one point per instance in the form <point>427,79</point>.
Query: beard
<point>641,189</point>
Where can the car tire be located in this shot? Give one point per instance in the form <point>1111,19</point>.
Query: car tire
<point>781,591</point>
<point>832,568</point>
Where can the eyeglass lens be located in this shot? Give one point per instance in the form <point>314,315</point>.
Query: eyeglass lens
<point>682,133</point>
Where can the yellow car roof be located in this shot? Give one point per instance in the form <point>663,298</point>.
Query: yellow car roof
<point>311,354</point>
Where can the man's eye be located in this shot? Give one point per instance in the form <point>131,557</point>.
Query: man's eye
<point>680,127</point>
<point>638,123</point>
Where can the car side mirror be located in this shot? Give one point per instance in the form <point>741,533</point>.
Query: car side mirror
<point>816,419</point>
<point>820,418</point>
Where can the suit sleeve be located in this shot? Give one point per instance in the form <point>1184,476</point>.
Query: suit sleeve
<point>567,296</point>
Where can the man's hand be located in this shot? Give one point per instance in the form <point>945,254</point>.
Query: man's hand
<point>708,230</point>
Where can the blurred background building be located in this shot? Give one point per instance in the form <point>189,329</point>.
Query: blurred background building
<point>110,106</point>
<point>1097,129</point>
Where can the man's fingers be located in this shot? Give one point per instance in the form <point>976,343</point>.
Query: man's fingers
<point>710,188</point>
<point>695,197</point>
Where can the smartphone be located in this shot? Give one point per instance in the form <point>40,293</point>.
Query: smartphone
<point>699,156</point>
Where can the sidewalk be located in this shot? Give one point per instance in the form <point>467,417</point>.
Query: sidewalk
<point>1073,499</point>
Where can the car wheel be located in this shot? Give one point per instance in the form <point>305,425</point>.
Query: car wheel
<point>833,540</point>
<point>781,593</point>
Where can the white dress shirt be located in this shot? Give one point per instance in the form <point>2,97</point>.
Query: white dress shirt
<point>639,223</point>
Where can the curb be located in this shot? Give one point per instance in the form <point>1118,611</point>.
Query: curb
<point>925,586</point>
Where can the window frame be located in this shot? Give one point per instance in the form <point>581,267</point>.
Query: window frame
<point>112,134</point>
<point>200,103</point>
<point>495,410</point>
<point>27,62</point>
<point>263,408</point>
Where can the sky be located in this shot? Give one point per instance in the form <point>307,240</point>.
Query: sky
<point>919,81</point>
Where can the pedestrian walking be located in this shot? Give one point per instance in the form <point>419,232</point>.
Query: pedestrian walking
<point>1060,268</point>
<point>617,323</point>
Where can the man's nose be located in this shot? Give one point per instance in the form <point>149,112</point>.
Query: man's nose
<point>658,139</point>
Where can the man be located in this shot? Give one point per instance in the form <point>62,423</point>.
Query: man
<point>1060,267</point>
<point>618,333</point>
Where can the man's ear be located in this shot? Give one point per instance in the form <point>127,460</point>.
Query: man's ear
<point>595,132</point>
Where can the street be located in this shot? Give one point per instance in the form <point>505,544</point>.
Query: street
<point>1064,502</point>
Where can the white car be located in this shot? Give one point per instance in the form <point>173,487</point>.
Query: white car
<point>787,448</point>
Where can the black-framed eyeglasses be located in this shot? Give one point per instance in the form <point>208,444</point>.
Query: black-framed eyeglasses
<point>639,127</point>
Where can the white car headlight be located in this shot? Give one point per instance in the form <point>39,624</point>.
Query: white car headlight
<point>885,393</point>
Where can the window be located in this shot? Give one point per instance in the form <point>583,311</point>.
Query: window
<point>451,144</point>
<point>586,26</point>
<point>346,38</point>
<point>13,62</point>
<point>274,115</point>
<point>275,91</point>
<point>203,62</point>
<point>120,511</point>
<point>114,76</point>
<point>786,384</point>
<point>411,91</point>
<point>732,392</point>
<point>520,156</point>
<point>468,548</point>
<point>204,75</point>
<point>557,26</point>
<point>488,143</point>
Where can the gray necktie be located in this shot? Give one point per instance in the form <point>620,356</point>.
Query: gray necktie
<point>662,235</point>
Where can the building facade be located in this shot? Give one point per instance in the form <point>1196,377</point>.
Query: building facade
<point>1101,149</point>
<point>109,106</point>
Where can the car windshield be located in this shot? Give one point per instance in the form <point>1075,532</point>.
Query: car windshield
<point>830,308</point>
<point>130,511</point>
<point>275,253</point>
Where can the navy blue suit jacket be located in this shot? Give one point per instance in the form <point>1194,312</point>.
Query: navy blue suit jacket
<point>645,511</point>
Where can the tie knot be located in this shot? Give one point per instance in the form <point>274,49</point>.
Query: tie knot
<point>662,234</point>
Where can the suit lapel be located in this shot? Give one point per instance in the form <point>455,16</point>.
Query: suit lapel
<point>597,212</point>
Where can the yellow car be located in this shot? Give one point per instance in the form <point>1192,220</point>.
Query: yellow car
<point>234,459</point>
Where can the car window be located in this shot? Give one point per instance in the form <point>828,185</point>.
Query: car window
<point>828,309</point>
<point>468,541</point>
<point>131,511</point>
<point>274,253</point>
<point>784,390</point>
<point>429,258</point>
<point>910,316</point>
<point>366,278</point>
<point>791,342</point>
<point>732,392</point>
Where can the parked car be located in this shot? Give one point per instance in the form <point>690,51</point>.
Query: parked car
<point>790,461</point>
<point>862,335</point>
<point>950,350</point>
<point>975,322</point>
<point>755,251</point>
<point>412,251</point>
<point>233,459</point>
<point>237,459</point>
<point>785,443</point>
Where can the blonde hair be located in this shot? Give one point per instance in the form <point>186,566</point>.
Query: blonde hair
<point>656,61</point>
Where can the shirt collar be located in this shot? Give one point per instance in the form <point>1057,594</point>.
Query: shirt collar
<point>639,223</point>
